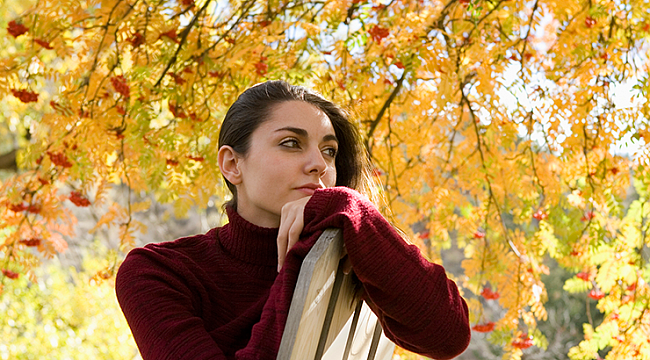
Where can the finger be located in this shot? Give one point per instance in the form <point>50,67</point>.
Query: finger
<point>291,225</point>
<point>294,232</point>
<point>282,243</point>
<point>284,233</point>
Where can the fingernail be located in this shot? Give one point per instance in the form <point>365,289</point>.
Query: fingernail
<point>279,267</point>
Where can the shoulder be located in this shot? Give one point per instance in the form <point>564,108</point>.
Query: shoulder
<point>185,246</point>
<point>168,257</point>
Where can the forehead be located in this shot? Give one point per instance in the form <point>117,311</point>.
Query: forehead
<point>298,114</point>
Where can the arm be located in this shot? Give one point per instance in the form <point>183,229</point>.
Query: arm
<point>158,306</point>
<point>419,307</point>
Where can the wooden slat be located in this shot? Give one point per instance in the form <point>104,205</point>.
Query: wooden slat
<point>360,345</point>
<point>311,298</point>
<point>353,328</point>
<point>376,336</point>
<point>329,314</point>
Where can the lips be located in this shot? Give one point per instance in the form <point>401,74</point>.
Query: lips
<point>307,191</point>
<point>309,188</point>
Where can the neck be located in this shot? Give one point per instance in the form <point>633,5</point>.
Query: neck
<point>260,218</point>
<point>248,242</point>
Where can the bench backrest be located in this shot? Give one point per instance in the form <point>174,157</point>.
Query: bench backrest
<point>323,302</point>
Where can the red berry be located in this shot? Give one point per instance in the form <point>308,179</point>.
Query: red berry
<point>10,274</point>
<point>79,199</point>
<point>59,159</point>
<point>523,343</point>
<point>489,294</point>
<point>588,216</point>
<point>590,22</point>
<point>136,40</point>
<point>15,29</point>
<point>596,294</point>
<point>120,85</point>
<point>170,34</point>
<point>378,33</point>
<point>17,207</point>
<point>483,328</point>
<point>43,43</point>
<point>261,68</point>
<point>25,96</point>
<point>196,158</point>
<point>177,78</point>
<point>31,242</point>
<point>540,215</point>
<point>583,275</point>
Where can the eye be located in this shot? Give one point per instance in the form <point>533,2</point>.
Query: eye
<point>330,151</point>
<point>290,143</point>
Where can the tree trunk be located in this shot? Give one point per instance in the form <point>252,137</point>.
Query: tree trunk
<point>8,161</point>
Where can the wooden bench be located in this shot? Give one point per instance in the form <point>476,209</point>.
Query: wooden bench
<point>325,321</point>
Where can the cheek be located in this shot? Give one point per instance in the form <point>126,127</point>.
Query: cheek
<point>329,180</point>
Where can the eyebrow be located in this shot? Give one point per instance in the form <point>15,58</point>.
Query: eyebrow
<point>304,133</point>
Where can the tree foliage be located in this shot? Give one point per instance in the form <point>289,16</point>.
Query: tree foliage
<point>64,316</point>
<point>496,124</point>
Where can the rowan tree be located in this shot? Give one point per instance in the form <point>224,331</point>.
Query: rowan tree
<point>497,126</point>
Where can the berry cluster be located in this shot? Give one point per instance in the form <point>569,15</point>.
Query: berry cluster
<point>483,328</point>
<point>120,85</point>
<point>378,33</point>
<point>15,29</point>
<point>170,34</point>
<point>488,294</point>
<point>30,242</point>
<point>136,40</point>
<point>176,111</point>
<point>177,78</point>
<point>25,96</point>
<point>261,68</point>
<point>523,342</point>
<point>33,208</point>
<point>59,159</point>
<point>79,199</point>
<point>10,274</point>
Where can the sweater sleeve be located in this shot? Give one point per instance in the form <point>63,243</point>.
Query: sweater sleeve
<point>420,309</point>
<point>158,306</point>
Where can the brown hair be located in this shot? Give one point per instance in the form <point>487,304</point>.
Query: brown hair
<point>254,106</point>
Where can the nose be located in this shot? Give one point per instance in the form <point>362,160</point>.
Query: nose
<point>316,163</point>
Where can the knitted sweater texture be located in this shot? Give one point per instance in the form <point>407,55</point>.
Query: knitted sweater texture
<point>219,296</point>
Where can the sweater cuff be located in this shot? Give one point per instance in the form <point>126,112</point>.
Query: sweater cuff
<point>334,200</point>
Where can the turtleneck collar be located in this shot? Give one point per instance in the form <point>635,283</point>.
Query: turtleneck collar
<point>247,242</point>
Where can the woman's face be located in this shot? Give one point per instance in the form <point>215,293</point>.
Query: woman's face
<point>291,154</point>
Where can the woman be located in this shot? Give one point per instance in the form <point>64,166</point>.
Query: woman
<point>291,160</point>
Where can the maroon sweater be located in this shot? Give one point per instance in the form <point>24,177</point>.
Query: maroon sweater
<point>219,296</point>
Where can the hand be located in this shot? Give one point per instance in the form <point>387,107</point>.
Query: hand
<point>291,225</point>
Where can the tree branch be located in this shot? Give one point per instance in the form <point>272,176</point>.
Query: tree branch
<point>393,95</point>
<point>184,35</point>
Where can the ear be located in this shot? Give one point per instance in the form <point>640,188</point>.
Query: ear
<point>229,164</point>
